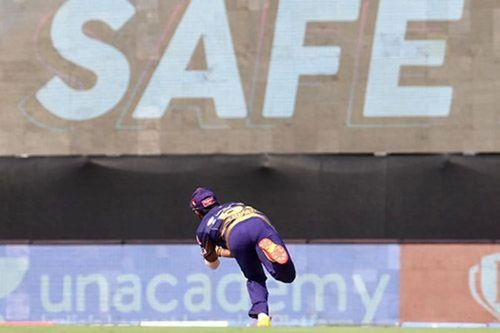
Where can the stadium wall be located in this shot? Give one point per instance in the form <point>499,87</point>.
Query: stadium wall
<point>166,284</point>
<point>308,197</point>
<point>248,76</point>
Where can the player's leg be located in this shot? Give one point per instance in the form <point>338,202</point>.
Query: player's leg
<point>243,250</point>
<point>274,252</point>
<point>274,255</point>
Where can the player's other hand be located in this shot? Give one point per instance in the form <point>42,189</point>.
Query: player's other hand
<point>221,252</point>
<point>212,265</point>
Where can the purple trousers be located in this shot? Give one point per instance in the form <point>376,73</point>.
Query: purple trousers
<point>243,240</point>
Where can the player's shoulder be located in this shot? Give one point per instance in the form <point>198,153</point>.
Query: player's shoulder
<point>212,214</point>
<point>231,204</point>
<point>201,228</point>
<point>216,210</point>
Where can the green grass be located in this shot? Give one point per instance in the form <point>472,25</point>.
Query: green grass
<point>92,329</point>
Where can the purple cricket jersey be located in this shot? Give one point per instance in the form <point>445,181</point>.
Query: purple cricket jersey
<point>216,225</point>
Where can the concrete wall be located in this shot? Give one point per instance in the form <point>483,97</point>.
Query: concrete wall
<point>246,76</point>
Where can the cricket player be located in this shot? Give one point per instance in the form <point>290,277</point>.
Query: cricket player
<point>237,230</point>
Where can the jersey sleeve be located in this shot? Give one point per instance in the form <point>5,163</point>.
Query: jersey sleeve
<point>207,247</point>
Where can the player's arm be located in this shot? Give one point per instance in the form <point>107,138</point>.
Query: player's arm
<point>208,251</point>
<point>222,252</point>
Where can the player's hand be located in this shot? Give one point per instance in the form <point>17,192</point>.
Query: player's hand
<point>221,252</point>
<point>212,265</point>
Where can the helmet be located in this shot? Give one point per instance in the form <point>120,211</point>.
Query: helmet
<point>202,200</point>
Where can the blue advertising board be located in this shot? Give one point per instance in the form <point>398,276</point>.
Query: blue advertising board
<point>336,284</point>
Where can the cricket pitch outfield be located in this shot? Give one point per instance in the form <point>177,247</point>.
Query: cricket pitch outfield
<point>117,329</point>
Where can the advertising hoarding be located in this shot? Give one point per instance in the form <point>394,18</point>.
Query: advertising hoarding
<point>336,284</point>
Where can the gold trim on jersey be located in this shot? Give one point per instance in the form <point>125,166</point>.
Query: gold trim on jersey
<point>234,215</point>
